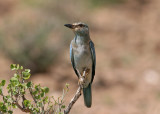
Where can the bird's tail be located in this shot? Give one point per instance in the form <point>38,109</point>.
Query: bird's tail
<point>87,93</point>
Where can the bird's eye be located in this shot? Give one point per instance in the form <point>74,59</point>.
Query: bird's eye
<point>80,25</point>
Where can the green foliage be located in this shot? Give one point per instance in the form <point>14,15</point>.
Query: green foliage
<point>17,89</point>
<point>2,82</point>
<point>30,46</point>
<point>97,3</point>
<point>26,74</point>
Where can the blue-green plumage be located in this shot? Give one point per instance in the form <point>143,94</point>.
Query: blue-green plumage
<point>87,94</point>
<point>82,55</point>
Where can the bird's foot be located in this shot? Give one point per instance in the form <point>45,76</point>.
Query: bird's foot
<point>82,78</point>
<point>81,82</point>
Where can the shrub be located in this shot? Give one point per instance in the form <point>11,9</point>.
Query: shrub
<point>17,90</point>
<point>27,44</point>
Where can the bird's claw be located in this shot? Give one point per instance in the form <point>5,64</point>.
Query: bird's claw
<point>81,82</point>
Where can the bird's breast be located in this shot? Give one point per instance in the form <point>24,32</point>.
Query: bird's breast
<point>82,56</point>
<point>83,60</point>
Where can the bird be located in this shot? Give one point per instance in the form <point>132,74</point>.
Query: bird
<point>83,57</point>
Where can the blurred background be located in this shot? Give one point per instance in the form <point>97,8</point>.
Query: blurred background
<point>126,36</point>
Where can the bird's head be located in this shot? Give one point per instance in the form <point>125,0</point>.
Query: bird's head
<point>79,28</point>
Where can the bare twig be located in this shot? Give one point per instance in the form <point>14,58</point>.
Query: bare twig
<point>78,93</point>
<point>73,100</point>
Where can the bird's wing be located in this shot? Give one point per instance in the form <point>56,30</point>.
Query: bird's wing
<point>72,59</point>
<point>93,54</point>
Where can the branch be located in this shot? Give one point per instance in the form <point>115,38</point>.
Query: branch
<point>17,104</point>
<point>21,108</point>
<point>78,93</point>
<point>31,92</point>
<point>73,100</point>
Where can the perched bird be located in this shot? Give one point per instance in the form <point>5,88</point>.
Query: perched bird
<point>83,57</point>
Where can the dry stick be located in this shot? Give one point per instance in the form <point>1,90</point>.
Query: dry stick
<point>73,100</point>
<point>77,95</point>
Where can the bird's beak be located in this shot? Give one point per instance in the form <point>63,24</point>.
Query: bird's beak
<point>69,26</point>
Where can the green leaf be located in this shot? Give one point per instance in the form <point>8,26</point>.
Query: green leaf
<point>27,70</point>
<point>8,98</point>
<point>26,75</point>
<point>38,97</point>
<point>63,106</point>
<point>9,86</point>
<point>10,112</point>
<point>3,108</point>
<point>39,104</point>
<point>3,82</point>
<point>14,81</point>
<point>22,91</point>
<point>21,68</point>
<point>14,106</point>
<point>42,94</point>
<point>67,85</point>
<point>13,66</point>
<point>36,110</point>
<point>46,89</point>
<point>45,99</point>
<point>29,84</point>
<point>22,88</point>
<point>1,104</point>
<point>27,103</point>
<point>35,92</point>
<point>16,75</point>
<point>17,67</point>
<point>37,87</point>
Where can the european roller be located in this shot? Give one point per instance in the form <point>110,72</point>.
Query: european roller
<point>83,58</point>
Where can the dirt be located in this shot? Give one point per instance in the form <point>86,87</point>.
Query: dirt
<point>127,79</point>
